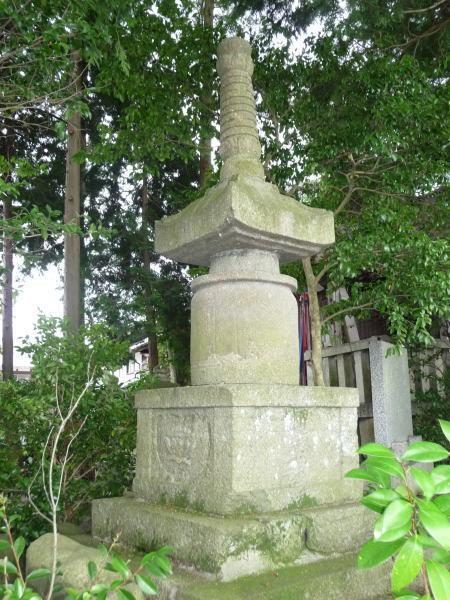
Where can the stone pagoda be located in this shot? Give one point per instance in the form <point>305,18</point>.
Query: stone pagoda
<point>242,471</point>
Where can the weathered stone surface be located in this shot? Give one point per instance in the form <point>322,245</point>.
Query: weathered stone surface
<point>73,559</point>
<point>338,529</point>
<point>246,448</point>
<point>244,321</point>
<point>225,547</point>
<point>330,579</point>
<point>239,141</point>
<point>391,398</point>
<point>229,548</point>
<point>244,212</point>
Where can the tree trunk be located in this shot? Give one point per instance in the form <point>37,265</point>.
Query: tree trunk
<point>7,317</point>
<point>316,329</point>
<point>83,252</point>
<point>72,309</point>
<point>8,265</point>
<point>206,98</point>
<point>153,358</point>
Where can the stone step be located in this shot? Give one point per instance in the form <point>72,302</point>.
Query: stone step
<point>229,548</point>
<point>330,579</point>
<point>326,579</point>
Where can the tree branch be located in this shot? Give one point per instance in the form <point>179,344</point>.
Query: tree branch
<point>426,9</point>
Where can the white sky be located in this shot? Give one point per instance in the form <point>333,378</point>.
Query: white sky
<point>41,293</point>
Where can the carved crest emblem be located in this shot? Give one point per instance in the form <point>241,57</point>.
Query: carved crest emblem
<point>183,444</point>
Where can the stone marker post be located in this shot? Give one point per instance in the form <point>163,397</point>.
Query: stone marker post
<point>244,469</point>
<point>391,397</point>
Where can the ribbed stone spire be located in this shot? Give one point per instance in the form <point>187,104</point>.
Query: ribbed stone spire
<point>239,141</point>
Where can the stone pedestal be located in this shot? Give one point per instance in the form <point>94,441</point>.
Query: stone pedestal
<point>241,478</point>
<point>236,449</point>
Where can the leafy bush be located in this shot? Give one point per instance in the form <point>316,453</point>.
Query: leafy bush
<point>14,585</point>
<point>432,405</point>
<point>101,433</point>
<point>414,516</point>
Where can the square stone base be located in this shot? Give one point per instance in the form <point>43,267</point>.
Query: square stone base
<point>227,547</point>
<point>233,449</point>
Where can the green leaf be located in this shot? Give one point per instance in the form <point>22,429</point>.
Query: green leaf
<point>38,574</point>
<point>435,522</point>
<point>395,522</point>
<point>18,588</point>
<point>92,569</point>
<point>4,545</point>
<point>428,542</point>
<point>153,569</point>
<point>376,450</point>
<point>9,567</point>
<point>445,426</point>
<point>369,475</point>
<point>146,585</point>
<point>424,481</point>
<point>441,479</point>
<point>125,595</point>
<point>402,491</point>
<point>99,588</point>
<point>425,452</point>
<point>439,580</point>
<point>407,564</point>
<point>118,565</point>
<point>374,553</point>
<point>442,556</point>
<point>19,546</point>
<point>379,499</point>
<point>386,465</point>
<point>164,564</point>
<point>443,504</point>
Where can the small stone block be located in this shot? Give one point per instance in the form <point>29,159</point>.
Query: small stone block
<point>338,529</point>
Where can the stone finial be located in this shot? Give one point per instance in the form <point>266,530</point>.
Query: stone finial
<point>239,141</point>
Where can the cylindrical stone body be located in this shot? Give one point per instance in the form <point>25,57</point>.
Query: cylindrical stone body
<point>244,321</point>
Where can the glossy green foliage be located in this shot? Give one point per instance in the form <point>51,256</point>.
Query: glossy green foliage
<point>413,504</point>
<point>432,405</point>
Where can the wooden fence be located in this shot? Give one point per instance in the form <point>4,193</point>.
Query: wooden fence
<point>348,365</point>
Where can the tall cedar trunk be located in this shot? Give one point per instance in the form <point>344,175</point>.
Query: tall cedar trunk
<point>83,253</point>
<point>206,98</point>
<point>316,329</point>
<point>153,358</point>
<point>8,264</point>
<point>72,310</point>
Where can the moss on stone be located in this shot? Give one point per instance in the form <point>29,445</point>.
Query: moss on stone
<point>181,500</point>
<point>303,501</point>
<point>280,542</point>
<point>332,579</point>
<point>246,508</point>
<point>300,415</point>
